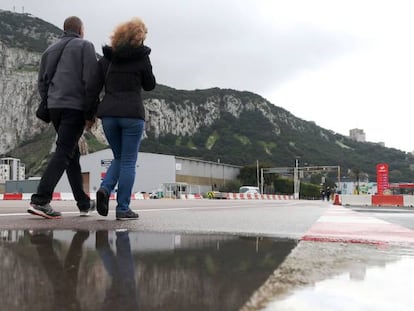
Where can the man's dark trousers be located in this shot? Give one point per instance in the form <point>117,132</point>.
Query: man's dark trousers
<point>69,125</point>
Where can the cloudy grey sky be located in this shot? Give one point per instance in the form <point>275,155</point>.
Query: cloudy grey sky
<point>341,63</point>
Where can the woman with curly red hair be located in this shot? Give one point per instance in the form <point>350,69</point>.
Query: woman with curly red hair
<point>125,70</point>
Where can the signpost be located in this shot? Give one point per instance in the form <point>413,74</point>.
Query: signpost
<point>106,162</point>
<point>382,178</point>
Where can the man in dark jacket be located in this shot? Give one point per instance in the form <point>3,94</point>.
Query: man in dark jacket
<point>71,95</point>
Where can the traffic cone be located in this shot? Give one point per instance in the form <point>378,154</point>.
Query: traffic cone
<point>336,200</point>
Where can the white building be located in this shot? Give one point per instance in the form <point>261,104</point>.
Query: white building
<point>154,171</point>
<point>22,172</point>
<point>11,169</point>
<point>4,172</point>
<point>357,135</point>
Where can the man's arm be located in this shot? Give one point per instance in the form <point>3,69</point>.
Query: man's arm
<point>148,78</point>
<point>91,79</point>
<point>42,83</point>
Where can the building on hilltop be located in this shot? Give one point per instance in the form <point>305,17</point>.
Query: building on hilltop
<point>357,135</point>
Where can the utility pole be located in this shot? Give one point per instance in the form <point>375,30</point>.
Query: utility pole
<point>262,181</point>
<point>296,180</point>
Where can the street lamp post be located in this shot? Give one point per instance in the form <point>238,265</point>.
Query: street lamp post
<point>296,180</point>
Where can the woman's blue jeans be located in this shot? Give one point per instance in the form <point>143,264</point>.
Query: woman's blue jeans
<point>124,137</point>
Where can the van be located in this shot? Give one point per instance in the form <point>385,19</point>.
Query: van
<point>249,189</point>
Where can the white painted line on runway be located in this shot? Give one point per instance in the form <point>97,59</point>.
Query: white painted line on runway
<point>185,208</point>
<point>141,210</point>
<point>14,214</point>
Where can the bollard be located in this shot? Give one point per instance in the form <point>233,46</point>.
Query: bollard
<point>336,200</point>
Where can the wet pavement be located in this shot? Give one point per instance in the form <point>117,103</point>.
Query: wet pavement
<point>122,270</point>
<point>339,276</point>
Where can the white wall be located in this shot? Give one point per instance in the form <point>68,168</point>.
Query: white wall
<point>152,170</point>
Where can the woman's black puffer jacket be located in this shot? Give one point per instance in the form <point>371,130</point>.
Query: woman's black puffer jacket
<point>124,71</point>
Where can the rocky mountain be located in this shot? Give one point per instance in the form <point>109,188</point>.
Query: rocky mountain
<point>22,40</point>
<point>214,124</point>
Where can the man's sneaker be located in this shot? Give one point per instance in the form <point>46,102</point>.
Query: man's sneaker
<point>128,215</point>
<point>102,202</point>
<point>41,237</point>
<point>87,212</point>
<point>45,211</point>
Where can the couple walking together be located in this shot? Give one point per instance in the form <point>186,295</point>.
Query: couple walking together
<point>70,79</point>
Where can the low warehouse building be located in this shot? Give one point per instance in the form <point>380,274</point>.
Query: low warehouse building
<point>157,172</point>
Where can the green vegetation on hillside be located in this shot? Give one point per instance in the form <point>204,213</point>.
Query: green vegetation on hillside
<point>26,32</point>
<point>35,152</point>
<point>94,144</point>
<point>251,137</point>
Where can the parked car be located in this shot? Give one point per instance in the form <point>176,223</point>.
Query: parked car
<point>249,189</point>
<point>156,194</point>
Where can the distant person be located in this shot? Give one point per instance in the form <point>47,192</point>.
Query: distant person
<point>328,194</point>
<point>71,96</point>
<point>125,70</point>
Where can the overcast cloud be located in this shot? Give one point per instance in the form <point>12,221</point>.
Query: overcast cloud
<point>342,64</point>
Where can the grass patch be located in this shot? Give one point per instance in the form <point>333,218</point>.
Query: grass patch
<point>211,140</point>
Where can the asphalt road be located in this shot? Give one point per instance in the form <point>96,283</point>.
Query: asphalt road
<point>286,218</point>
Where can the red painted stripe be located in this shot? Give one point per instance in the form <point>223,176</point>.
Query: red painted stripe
<point>336,240</point>
<point>339,224</point>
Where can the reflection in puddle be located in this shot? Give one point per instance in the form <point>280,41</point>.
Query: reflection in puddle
<point>51,270</point>
<point>339,276</point>
<point>381,289</point>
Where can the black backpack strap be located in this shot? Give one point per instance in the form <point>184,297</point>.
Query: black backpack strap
<point>58,59</point>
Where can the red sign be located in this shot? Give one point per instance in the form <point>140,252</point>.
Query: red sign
<point>382,178</point>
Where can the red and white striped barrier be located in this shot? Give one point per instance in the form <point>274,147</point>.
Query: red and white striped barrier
<point>257,196</point>
<point>374,200</point>
<point>140,196</point>
<point>11,196</point>
<point>195,196</point>
<point>339,224</point>
<point>66,196</point>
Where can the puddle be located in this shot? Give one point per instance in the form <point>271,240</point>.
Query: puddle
<point>339,277</point>
<point>380,289</point>
<point>121,270</point>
